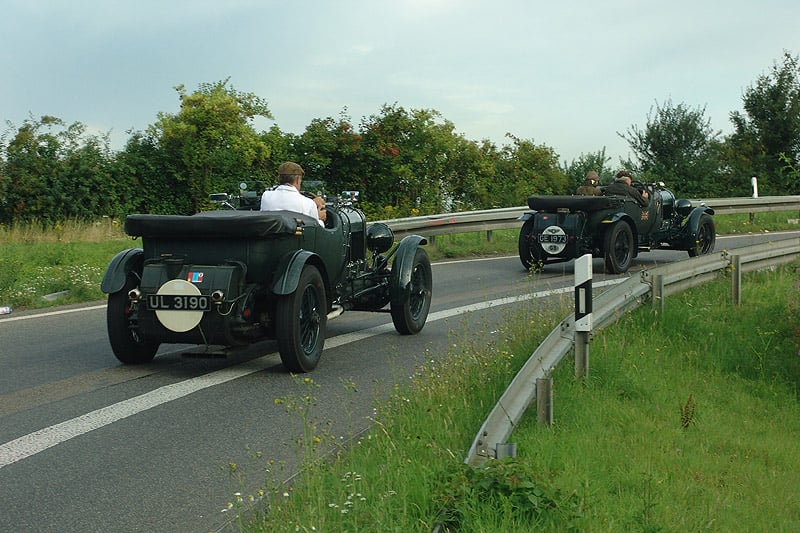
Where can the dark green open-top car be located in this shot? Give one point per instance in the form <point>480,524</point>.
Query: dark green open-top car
<point>236,277</point>
<point>616,228</point>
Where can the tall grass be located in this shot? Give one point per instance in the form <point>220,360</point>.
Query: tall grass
<point>688,421</point>
<point>68,259</point>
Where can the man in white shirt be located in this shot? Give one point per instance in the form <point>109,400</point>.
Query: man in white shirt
<point>287,197</point>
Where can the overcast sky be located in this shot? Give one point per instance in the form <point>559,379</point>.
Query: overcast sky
<point>566,74</point>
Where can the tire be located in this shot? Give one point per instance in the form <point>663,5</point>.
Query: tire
<point>127,343</point>
<point>410,309</point>
<point>618,248</point>
<point>526,251</point>
<point>300,320</point>
<point>706,237</point>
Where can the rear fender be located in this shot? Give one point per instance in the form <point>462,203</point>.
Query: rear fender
<point>289,269</point>
<point>119,268</point>
<point>527,215</point>
<point>614,218</point>
<point>403,265</point>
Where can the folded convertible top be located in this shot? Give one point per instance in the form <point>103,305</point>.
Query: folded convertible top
<point>227,223</point>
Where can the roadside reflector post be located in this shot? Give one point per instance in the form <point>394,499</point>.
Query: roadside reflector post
<point>583,314</point>
<point>505,449</point>
<point>544,401</point>
<point>736,279</point>
<point>658,293</point>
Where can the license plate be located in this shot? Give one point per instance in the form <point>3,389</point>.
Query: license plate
<point>553,238</point>
<point>178,302</point>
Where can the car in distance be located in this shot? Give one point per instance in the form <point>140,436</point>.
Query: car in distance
<point>616,228</point>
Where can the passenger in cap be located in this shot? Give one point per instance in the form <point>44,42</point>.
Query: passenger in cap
<point>287,197</point>
<point>622,187</point>
<point>590,185</point>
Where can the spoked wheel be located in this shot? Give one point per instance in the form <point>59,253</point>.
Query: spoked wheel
<point>300,322</point>
<point>618,248</point>
<point>526,247</point>
<point>128,344</point>
<point>706,237</point>
<point>411,304</point>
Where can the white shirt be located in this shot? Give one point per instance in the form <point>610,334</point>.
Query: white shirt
<point>288,198</point>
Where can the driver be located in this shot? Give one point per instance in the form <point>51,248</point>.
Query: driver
<point>287,197</point>
<point>622,187</point>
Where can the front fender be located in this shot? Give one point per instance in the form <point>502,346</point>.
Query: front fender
<point>119,267</point>
<point>403,265</point>
<point>693,222</point>
<point>287,275</point>
<point>694,217</point>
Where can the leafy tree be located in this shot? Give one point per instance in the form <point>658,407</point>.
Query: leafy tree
<point>677,146</point>
<point>210,144</point>
<point>53,171</point>
<point>406,154</point>
<point>145,178</point>
<point>331,150</point>
<point>472,171</point>
<point>767,133</point>
<point>525,168</point>
<point>576,170</point>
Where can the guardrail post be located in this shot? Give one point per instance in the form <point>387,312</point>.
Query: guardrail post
<point>488,235</point>
<point>583,314</point>
<point>544,400</point>
<point>658,293</point>
<point>736,279</point>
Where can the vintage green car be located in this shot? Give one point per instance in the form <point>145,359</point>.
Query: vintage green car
<point>616,228</point>
<point>236,277</point>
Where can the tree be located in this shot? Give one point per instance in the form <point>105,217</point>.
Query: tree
<point>677,146</point>
<point>53,171</point>
<point>767,134</point>
<point>210,144</point>
<point>577,169</point>
<point>525,168</point>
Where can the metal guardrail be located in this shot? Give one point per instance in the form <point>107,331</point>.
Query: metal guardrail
<point>607,308</point>
<point>505,218</point>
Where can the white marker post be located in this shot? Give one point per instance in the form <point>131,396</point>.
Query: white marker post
<point>754,185</point>
<point>583,314</point>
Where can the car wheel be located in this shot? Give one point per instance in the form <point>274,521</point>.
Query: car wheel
<point>527,254</point>
<point>618,248</point>
<point>706,237</point>
<point>127,342</point>
<point>411,305</point>
<point>300,322</point>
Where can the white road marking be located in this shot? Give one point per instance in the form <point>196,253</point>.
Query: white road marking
<point>38,441</point>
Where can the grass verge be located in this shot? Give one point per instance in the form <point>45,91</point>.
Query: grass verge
<point>688,421</point>
<point>69,260</point>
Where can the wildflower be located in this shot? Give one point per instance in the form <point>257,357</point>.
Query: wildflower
<point>285,494</point>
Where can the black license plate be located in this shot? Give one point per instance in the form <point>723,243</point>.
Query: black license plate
<point>178,302</point>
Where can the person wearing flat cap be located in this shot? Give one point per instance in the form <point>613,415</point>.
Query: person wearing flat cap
<point>589,187</point>
<point>287,197</point>
<point>622,187</point>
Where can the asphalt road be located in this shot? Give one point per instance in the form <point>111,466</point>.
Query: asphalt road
<point>87,444</point>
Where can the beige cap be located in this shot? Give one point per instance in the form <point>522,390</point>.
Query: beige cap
<point>290,169</point>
